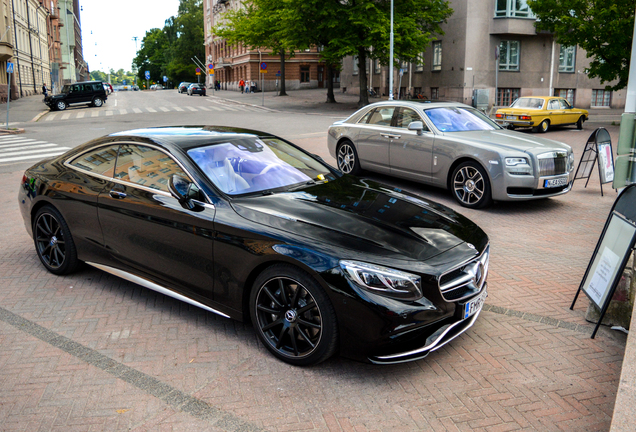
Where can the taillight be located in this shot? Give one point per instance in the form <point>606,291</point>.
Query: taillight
<point>24,179</point>
<point>525,117</point>
<point>499,115</point>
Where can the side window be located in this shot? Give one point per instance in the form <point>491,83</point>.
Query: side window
<point>146,166</point>
<point>98,161</point>
<point>553,104</point>
<point>564,104</point>
<point>405,116</point>
<point>76,88</point>
<point>381,116</point>
<point>98,87</point>
<point>365,118</point>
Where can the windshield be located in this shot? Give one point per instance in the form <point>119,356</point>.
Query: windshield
<point>253,164</point>
<point>66,89</point>
<point>459,119</point>
<point>532,103</point>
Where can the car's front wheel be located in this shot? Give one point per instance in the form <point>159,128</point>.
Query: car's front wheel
<point>347,157</point>
<point>471,186</point>
<point>54,242</point>
<point>60,105</point>
<point>579,122</point>
<point>97,102</point>
<point>293,316</point>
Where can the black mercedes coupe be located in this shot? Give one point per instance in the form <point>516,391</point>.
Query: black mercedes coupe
<point>249,226</point>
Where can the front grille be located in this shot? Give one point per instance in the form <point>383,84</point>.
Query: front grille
<point>553,163</point>
<point>466,280</point>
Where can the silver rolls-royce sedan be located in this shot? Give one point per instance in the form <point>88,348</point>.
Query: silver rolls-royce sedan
<point>453,146</point>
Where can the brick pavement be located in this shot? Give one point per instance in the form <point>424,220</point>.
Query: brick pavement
<point>93,352</point>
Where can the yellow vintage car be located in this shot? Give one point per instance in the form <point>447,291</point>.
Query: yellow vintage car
<point>540,113</point>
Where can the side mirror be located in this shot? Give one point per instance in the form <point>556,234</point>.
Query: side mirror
<point>184,191</point>
<point>416,126</point>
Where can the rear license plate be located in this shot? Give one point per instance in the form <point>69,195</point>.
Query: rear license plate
<point>475,305</point>
<point>556,182</point>
<point>511,118</point>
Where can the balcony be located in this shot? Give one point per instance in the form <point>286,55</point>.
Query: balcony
<point>513,26</point>
<point>223,62</point>
<point>6,51</point>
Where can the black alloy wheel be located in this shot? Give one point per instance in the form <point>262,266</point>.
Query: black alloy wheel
<point>579,123</point>
<point>293,316</point>
<point>347,158</point>
<point>60,105</point>
<point>53,242</point>
<point>471,186</point>
<point>98,102</point>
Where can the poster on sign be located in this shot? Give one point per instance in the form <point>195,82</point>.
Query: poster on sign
<point>606,162</point>
<point>597,151</point>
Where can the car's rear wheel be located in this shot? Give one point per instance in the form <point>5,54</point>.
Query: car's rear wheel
<point>293,316</point>
<point>347,157</point>
<point>579,122</point>
<point>543,127</point>
<point>54,242</point>
<point>60,105</point>
<point>471,186</point>
<point>97,102</point>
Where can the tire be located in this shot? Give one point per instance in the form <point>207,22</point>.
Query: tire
<point>544,126</point>
<point>292,316</point>
<point>470,186</point>
<point>54,242</point>
<point>347,157</point>
<point>60,105</point>
<point>97,102</point>
<point>579,123</point>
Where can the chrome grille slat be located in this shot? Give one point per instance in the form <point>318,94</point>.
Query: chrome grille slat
<point>465,280</point>
<point>552,163</point>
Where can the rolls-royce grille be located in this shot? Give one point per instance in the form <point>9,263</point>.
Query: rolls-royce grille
<point>466,280</point>
<point>553,164</point>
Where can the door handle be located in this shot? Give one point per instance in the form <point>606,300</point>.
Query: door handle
<point>385,135</point>
<point>395,136</point>
<point>117,195</point>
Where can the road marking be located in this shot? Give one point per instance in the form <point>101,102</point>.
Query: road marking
<point>137,110</point>
<point>216,108</point>
<point>123,111</point>
<point>37,156</point>
<point>94,113</point>
<point>204,108</point>
<point>191,109</point>
<point>65,116</point>
<point>152,110</point>
<point>178,108</point>
<point>109,113</point>
<point>80,114</point>
<point>12,151</point>
<point>164,109</point>
<point>22,144</point>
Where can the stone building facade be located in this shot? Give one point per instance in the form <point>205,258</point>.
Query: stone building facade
<point>490,54</point>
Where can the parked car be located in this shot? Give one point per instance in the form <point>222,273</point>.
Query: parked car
<point>248,226</point>
<point>453,146</point>
<point>541,113</point>
<point>84,92</point>
<point>154,87</point>
<point>108,88</point>
<point>195,88</point>
<point>183,87</point>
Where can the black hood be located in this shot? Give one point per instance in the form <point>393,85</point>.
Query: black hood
<point>365,215</point>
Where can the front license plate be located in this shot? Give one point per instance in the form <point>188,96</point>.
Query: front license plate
<point>511,118</point>
<point>556,182</point>
<point>475,305</point>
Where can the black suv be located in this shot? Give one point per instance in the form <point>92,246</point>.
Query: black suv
<point>85,92</point>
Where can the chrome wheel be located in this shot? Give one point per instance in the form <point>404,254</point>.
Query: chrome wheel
<point>348,158</point>
<point>61,105</point>
<point>49,241</point>
<point>471,187</point>
<point>98,102</point>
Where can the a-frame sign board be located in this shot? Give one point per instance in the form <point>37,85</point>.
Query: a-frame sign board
<point>612,252</point>
<point>598,149</point>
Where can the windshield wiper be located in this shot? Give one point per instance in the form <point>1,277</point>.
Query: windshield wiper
<point>302,185</point>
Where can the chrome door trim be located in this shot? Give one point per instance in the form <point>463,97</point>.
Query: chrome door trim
<point>153,286</point>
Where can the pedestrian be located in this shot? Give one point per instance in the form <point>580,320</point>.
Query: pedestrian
<point>45,91</point>
<point>253,85</point>
<point>242,85</point>
<point>247,86</point>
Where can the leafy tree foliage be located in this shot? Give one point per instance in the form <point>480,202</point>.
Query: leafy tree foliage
<point>603,29</point>
<point>169,51</point>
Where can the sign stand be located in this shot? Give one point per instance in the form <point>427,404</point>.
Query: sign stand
<point>597,149</point>
<point>9,72</point>
<point>612,252</point>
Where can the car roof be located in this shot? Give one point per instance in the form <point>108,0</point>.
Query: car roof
<point>420,104</point>
<point>186,137</point>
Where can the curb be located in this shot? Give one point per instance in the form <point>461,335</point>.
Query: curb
<point>14,131</point>
<point>39,116</point>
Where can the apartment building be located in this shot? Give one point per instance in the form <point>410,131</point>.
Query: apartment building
<point>490,54</point>
<point>234,63</point>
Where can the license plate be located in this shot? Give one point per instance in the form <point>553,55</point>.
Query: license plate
<point>556,182</point>
<point>475,305</point>
<point>511,118</point>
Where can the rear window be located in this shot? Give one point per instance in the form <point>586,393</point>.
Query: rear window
<point>531,103</point>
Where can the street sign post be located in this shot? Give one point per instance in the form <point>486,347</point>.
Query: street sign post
<point>147,78</point>
<point>211,73</point>
<point>9,72</point>
<point>263,69</point>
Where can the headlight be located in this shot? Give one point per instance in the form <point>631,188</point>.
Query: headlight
<point>383,280</point>
<point>514,161</point>
<point>570,161</point>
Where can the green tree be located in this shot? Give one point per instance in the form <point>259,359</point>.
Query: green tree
<point>151,56</point>
<point>603,29</point>
<point>99,76</point>
<point>259,24</point>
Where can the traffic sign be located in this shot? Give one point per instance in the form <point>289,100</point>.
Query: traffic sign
<point>263,66</point>
<point>165,78</point>
<point>147,74</point>
<point>211,66</point>
<point>198,71</point>
<point>9,67</point>
<point>262,71</point>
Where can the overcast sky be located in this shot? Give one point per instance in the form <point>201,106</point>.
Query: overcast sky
<point>108,29</point>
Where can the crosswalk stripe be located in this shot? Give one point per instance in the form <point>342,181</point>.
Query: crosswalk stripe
<point>13,138</point>
<point>152,110</point>
<point>109,113</point>
<point>80,114</point>
<point>63,149</point>
<point>164,109</point>
<point>38,156</point>
<point>50,117</point>
<point>216,108</point>
<point>65,116</point>
<point>178,108</point>
<point>191,109</point>
<point>94,113</point>
<point>204,108</point>
<point>137,110</point>
<point>22,144</point>
<point>123,111</point>
<point>14,148</point>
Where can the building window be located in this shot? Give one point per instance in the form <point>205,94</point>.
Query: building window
<point>509,55</point>
<point>506,96</point>
<point>304,74</point>
<point>437,55</point>
<point>513,9</point>
<point>434,93</point>
<point>567,58</point>
<point>376,66</point>
<point>567,94</point>
<point>355,65</point>
<point>419,64</point>
<point>601,98</point>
